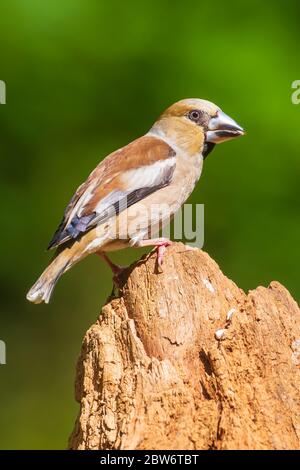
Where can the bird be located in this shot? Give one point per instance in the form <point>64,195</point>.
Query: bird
<point>112,209</point>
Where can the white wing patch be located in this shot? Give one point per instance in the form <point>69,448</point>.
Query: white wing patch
<point>148,175</point>
<point>140,179</point>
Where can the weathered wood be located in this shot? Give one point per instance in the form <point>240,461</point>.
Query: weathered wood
<point>156,370</point>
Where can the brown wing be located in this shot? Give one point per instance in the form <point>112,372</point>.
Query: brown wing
<point>120,180</point>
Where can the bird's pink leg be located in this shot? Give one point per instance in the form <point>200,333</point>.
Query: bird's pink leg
<point>160,244</point>
<point>116,269</point>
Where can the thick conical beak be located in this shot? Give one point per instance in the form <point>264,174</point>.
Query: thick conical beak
<point>221,128</point>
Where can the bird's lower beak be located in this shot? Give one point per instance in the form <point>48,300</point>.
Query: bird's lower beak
<point>221,128</point>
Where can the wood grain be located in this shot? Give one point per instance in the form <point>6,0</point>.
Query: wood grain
<point>153,375</point>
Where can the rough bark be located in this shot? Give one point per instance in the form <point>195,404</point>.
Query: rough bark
<point>184,359</point>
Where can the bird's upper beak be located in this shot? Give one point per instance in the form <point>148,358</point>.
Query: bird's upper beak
<point>221,128</point>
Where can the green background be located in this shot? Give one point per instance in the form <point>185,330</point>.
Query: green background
<point>85,77</point>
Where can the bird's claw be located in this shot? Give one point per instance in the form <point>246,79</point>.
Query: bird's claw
<point>161,249</point>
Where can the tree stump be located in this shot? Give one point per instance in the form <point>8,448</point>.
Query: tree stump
<point>184,359</point>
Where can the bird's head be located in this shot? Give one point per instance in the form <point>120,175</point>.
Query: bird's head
<point>196,125</point>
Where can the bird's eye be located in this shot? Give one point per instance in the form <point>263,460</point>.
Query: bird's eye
<point>194,115</point>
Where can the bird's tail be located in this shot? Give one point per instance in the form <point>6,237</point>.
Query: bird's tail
<point>65,258</point>
<point>41,291</point>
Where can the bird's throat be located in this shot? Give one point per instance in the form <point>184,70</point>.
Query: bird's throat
<point>208,147</point>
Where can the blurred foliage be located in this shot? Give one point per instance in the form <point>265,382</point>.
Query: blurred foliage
<point>85,77</point>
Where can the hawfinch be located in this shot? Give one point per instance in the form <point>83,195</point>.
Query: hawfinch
<point>113,208</point>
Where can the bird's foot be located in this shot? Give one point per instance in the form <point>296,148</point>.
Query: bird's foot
<point>161,249</point>
<point>160,245</point>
